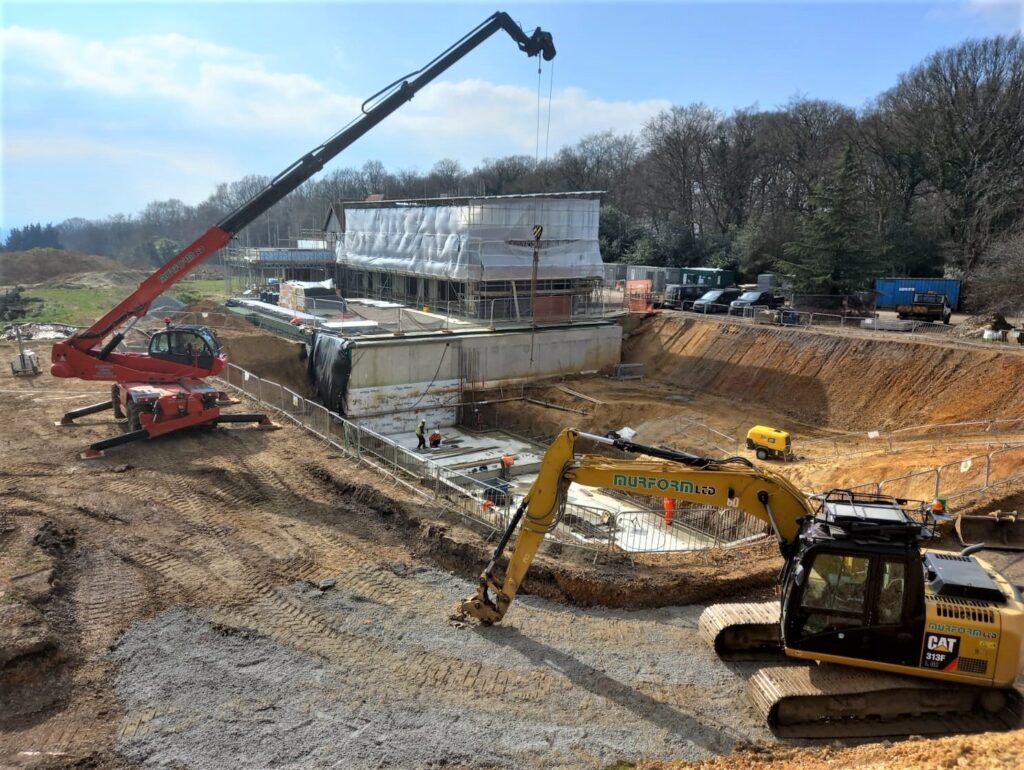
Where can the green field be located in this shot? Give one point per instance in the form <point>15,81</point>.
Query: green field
<point>81,306</point>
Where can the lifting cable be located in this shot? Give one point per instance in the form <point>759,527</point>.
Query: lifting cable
<point>540,209</point>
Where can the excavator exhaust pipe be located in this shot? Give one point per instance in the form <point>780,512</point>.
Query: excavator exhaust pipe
<point>999,530</point>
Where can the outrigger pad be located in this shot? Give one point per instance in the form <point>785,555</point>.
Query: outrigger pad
<point>262,420</point>
<point>96,450</point>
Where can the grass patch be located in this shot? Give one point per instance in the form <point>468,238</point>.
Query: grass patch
<point>193,291</point>
<point>80,306</point>
<point>75,306</point>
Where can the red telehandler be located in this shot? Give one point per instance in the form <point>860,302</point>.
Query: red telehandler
<point>162,390</point>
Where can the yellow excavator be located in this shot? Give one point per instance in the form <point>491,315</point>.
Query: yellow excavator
<point>903,640</point>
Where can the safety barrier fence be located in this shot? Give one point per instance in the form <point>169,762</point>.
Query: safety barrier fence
<point>406,316</point>
<point>786,317</point>
<point>483,502</point>
<point>938,436</point>
<point>956,479</point>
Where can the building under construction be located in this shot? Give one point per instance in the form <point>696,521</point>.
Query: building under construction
<point>472,256</point>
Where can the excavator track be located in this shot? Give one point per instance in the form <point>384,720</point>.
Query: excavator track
<point>742,631</point>
<point>824,701</point>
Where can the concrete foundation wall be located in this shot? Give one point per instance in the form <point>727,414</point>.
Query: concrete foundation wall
<point>389,409</point>
<point>393,381</point>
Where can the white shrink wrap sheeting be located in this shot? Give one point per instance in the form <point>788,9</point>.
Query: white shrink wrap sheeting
<point>480,240</point>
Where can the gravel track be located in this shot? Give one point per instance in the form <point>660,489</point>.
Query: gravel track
<point>552,688</point>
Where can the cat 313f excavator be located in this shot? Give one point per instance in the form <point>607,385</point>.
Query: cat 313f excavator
<point>926,641</point>
<point>161,390</point>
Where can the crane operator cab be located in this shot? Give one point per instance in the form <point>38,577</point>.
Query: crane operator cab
<point>195,346</point>
<point>861,588</point>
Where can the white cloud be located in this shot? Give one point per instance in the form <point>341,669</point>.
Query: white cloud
<point>212,84</point>
<point>144,171</point>
<point>1006,15</point>
<point>508,113</point>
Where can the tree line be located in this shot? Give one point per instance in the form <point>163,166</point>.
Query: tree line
<point>925,180</point>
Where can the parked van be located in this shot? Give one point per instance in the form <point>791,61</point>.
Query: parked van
<point>716,301</point>
<point>757,298</point>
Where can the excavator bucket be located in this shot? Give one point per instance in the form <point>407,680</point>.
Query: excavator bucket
<point>999,530</point>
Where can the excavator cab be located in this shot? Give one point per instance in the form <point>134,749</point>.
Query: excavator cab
<point>855,587</point>
<point>195,346</point>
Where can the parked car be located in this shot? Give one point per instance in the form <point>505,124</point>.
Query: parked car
<point>680,296</point>
<point>756,298</point>
<point>716,301</point>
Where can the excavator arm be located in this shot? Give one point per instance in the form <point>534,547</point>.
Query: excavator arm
<point>80,355</point>
<point>730,483</point>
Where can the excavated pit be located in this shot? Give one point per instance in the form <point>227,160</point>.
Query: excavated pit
<point>220,539</point>
<point>835,380</point>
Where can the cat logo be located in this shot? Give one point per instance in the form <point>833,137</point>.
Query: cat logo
<point>941,652</point>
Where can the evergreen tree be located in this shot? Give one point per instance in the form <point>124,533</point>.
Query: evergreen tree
<point>835,251</point>
<point>33,236</point>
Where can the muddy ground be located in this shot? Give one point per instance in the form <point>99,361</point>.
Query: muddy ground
<point>162,607</point>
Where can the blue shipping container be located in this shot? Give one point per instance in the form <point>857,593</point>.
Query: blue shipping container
<point>899,291</point>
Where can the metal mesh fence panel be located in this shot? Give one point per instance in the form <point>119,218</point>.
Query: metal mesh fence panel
<point>1006,465</point>
<point>915,486</point>
<point>968,475</point>
<point>292,403</point>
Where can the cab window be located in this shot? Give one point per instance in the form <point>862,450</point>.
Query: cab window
<point>160,343</point>
<point>835,593</point>
<point>890,600</point>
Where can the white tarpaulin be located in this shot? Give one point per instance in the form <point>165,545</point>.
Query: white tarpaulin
<point>483,239</point>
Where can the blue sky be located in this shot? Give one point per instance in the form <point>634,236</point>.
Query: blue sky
<point>109,106</point>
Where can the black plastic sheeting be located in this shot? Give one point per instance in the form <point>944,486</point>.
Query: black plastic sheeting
<point>328,367</point>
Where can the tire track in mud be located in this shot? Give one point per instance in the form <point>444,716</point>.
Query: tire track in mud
<point>243,595</point>
<point>109,595</point>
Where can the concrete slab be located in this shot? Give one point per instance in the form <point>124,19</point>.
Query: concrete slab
<point>478,456</point>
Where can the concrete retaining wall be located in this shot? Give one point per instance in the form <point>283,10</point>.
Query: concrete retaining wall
<point>396,381</point>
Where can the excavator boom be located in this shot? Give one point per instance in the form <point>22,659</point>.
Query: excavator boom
<point>731,483</point>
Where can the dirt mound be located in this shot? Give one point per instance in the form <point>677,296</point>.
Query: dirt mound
<point>267,356</point>
<point>992,751</point>
<point>37,265</point>
<point>847,382</point>
<point>976,325</point>
<point>216,315</point>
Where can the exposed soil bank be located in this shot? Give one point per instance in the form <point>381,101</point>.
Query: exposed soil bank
<point>846,382</point>
<point>662,581</point>
<point>265,355</point>
<point>38,265</point>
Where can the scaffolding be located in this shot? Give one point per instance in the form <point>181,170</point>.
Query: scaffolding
<point>477,252</point>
